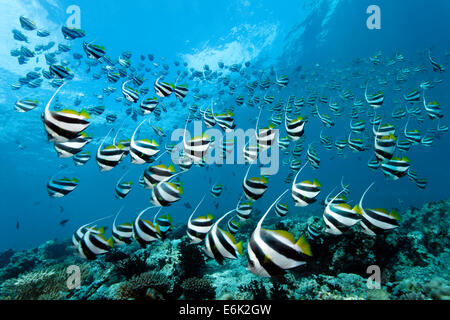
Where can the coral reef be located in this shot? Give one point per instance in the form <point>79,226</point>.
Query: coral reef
<point>197,288</point>
<point>5,257</point>
<point>35,285</point>
<point>414,261</point>
<point>149,285</point>
<point>132,265</point>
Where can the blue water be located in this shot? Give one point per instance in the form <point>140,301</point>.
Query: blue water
<point>279,34</point>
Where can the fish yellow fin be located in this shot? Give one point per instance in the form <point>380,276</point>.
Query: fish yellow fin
<point>344,205</point>
<point>85,114</point>
<point>68,111</point>
<point>304,246</point>
<point>239,247</point>
<point>285,234</point>
<point>396,215</point>
<point>267,259</point>
<point>229,235</point>
<point>358,209</point>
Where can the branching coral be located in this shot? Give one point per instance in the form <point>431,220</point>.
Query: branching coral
<point>54,249</point>
<point>148,285</point>
<point>197,288</point>
<point>192,260</point>
<point>132,266</point>
<point>256,288</point>
<point>41,284</point>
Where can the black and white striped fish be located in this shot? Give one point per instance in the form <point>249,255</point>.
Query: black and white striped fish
<point>225,120</point>
<point>233,226</point>
<point>27,24</point>
<point>339,216</point>
<point>198,228</point>
<point>283,81</point>
<point>266,137</point>
<point>413,96</point>
<point>377,221</point>
<point>58,188</point>
<point>244,210</point>
<point>156,174</point>
<point>94,51</point>
<point>123,188</point>
<point>374,100</point>
<point>142,151</point>
<point>436,66</point>
<point>185,163</point>
<point>314,231</point>
<point>312,157</point>
<point>129,93</point>
<point>25,105</point>
<point>122,233</point>
<point>79,233</point>
<point>66,124</point>
<point>255,187</point>
<point>80,159</point>
<point>208,119</point>
<point>396,167</point>
<point>220,244</point>
<point>281,209</point>
<point>72,33</point>
<point>432,109</point>
<point>181,91</point>
<point>148,105</point>
<point>94,244</point>
<point>385,147</point>
<point>60,72</point>
<point>295,128</point>
<point>69,148</point>
<point>144,231</point>
<point>216,190</point>
<point>304,193</point>
<point>272,252</point>
<point>164,222</point>
<point>164,193</point>
<point>268,99</point>
<point>250,153</point>
<point>162,89</point>
<point>109,157</point>
<point>197,147</point>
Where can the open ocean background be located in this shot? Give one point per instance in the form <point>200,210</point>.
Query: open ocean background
<point>284,34</point>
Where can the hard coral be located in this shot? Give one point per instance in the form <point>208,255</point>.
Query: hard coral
<point>35,285</point>
<point>256,288</point>
<point>132,266</point>
<point>137,287</point>
<point>192,259</point>
<point>197,288</point>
